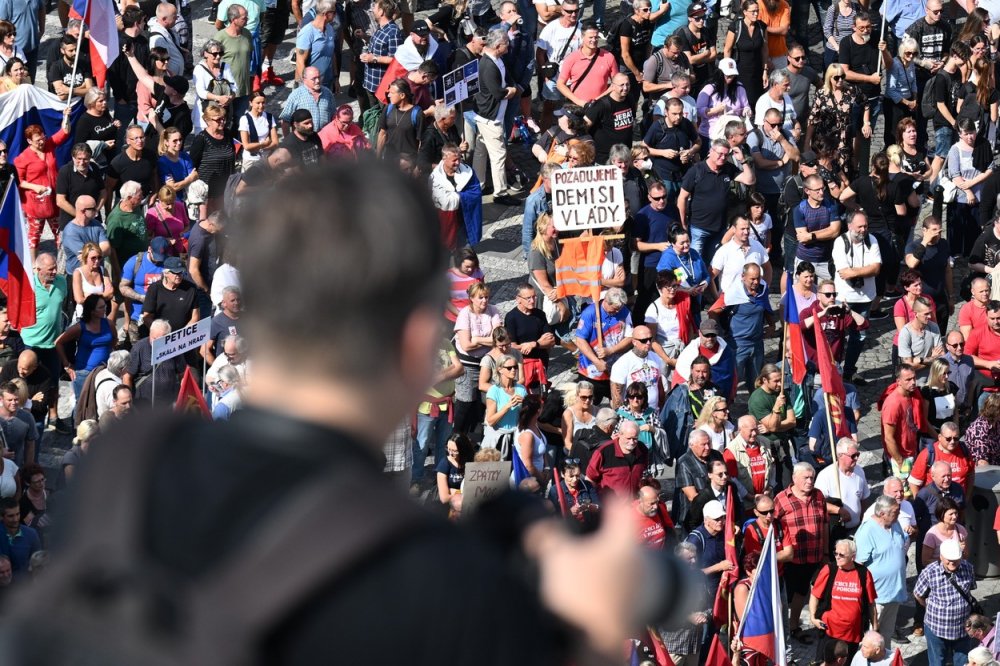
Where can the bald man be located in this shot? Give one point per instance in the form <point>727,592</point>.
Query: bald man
<point>50,292</point>
<point>82,229</point>
<point>638,366</point>
<point>612,117</point>
<point>656,530</point>
<point>41,389</point>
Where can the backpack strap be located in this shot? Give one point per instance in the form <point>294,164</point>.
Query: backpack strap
<point>251,128</point>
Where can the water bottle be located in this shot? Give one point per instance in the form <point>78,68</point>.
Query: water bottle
<point>523,131</point>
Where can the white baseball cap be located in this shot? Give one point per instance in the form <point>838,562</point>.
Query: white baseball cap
<point>713,509</point>
<point>728,67</point>
<point>950,550</point>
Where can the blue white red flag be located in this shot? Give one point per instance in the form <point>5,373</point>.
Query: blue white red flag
<point>762,629</point>
<point>15,261</point>
<point>520,471</point>
<point>30,105</point>
<point>99,15</point>
<point>796,347</point>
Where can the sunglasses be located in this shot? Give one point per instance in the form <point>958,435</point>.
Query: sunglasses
<point>721,409</point>
<point>658,198</point>
<point>571,461</point>
<point>853,456</point>
<point>635,397</point>
<point>831,294</point>
<point>950,439</point>
<point>585,397</point>
<point>215,53</point>
<point>509,367</point>
<point>644,341</point>
<point>3,151</point>
<point>811,165</point>
<point>765,513</point>
<point>570,12</point>
<point>837,77</point>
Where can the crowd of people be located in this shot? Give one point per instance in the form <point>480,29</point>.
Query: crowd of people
<point>748,173</point>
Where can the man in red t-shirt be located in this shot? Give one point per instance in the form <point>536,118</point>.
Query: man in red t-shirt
<point>947,449</point>
<point>983,344</point>
<point>851,604</point>
<point>756,531</point>
<point>655,527</point>
<point>900,412</point>
<point>972,315</point>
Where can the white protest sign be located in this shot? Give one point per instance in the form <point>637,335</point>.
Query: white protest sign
<point>588,198</point>
<point>181,340</point>
<point>462,83</point>
<point>483,481</point>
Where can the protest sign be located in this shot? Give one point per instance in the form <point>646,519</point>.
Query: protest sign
<point>483,481</point>
<point>588,198</point>
<point>181,340</point>
<point>461,84</point>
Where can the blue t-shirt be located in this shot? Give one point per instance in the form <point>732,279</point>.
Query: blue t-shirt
<point>815,219</point>
<point>674,18</point>
<point>500,397</point>
<point>884,553</point>
<point>693,267</point>
<point>146,274</point>
<point>615,328</point>
<point>320,46</point>
<point>93,349</point>
<point>747,322</point>
<point>179,170</point>
<point>651,226</point>
<point>74,237</point>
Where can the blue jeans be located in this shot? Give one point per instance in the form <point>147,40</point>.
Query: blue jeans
<point>945,650</point>
<point>749,361</point>
<point>81,377</point>
<point>431,431</point>
<point>855,341</point>
<point>706,243</point>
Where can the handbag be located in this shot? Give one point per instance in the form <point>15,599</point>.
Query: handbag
<point>949,190</point>
<point>550,70</point>
<point>975,608</point>
<point>549,308</point>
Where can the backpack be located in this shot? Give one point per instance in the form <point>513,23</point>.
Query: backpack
<point>928,102</point>
<point>799,185</point>
<point>252,129</point>
<point>825,601</point>
<point>111,604</point>
<point>615,34</point>
<point>216,86</point>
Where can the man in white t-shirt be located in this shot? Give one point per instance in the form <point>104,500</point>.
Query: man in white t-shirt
<point>856,261</point>
<point>777,97</point>
<point>556,41</point>
<point>638,365</point>
<point>731,257</point>
<point>853,491</point>
<point>907,516</point>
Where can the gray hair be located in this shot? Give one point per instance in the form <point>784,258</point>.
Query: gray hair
<point>160,326</point>
<point>232,13</point>
<point>620,151</point>
<point>324,6</point>
<point>506,358</point>
<point>884,504</point>
<point>852,547</point>
<point>550,168</point>
<point>981,656</point>
<point>117,362</point>
<point>130,188</point>
<point>801,467</point>
<point>616,296</point>
<point>950,426</point>
<point>584,384</point>
<point>685,547</point>
<point>441,111</point>
<point>697,434</point>
<point>495,38</point>
<point>908,43</point>
<point>41,255</point>
<point>212,44</point>
<point>719,143</point>
<point>230,375</point>
<point>778,77</point>
<point>231,289</point>
<point>239,341</point>
<point>734,127</point>
<point>874,639</point>
<point>606,415</point>
<point>845,444</point>
<point>679,77</point>
<point>92,95</point>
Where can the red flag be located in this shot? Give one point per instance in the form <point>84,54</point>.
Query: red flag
<point>833,387</point>
<point>717,654</point>
<point>897,659</point>
<point>190,399</point>
<point>659,649</point>
<point>578,268</point>
<point>560,493</point>
<point>723,596</point>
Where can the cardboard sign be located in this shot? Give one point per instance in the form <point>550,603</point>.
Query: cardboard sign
<point>462,83</point>
<point>588,198</point>
<point>483,481</point>
<point>181,340</point>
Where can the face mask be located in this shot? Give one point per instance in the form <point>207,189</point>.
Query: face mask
<point>646,165</point>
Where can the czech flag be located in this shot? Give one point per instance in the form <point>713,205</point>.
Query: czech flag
<point>793,332</point>
<point>762,629</point>
<point>833,388</point>
<point>99,15</point>
<point>15,261</point>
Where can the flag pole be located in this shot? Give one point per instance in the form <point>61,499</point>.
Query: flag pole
<point>833,441</point>
<point>878,67</point>
<point>76,59</point>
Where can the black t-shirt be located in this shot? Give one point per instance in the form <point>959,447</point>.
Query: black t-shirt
<point>204,246</point>
<point>528,328</point>
<point>402,130</point>
<point>881,212</point>
<point>693,44</point>
<point>612,123</point>
<point>122,79</point>
<point>59,71</point>
<point>932,266</point>
<point>708,190</point>
<point>862,59</point>
<point>306,151</point>
<point>947,88</point>
<point>970,102</point>
<point>252,463</point>
<point>640,35</point>
<point>73,185</point>
<point>986,249</point>
<point>175,306</point>
<point>95,128</point>
<point>680,137</point>
<point>143,171</point>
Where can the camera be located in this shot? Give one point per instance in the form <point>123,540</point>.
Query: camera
<point>856,282</point>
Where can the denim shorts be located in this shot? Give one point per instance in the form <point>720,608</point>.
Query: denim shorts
<point>943,138</point>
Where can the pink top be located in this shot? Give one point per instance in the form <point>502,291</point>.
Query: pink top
<point>460,283</point>
<point>936,536</point>
<point>172,225</point>
<point>478,326</point>
<point>903,309</point>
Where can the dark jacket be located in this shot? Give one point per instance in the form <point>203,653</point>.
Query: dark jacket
<point>492,89</point>
<point>615,473</point>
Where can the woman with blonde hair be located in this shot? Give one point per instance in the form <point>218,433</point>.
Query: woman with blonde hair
<point>85,434</point>
<point>580,412</point>
<point>167,217</point>
<point>901,90</point>
<point>714,420</point>
<point>174,165</point>
<point>833,103</point>
<point>545,250</point>
<point>89,278</point>
<point>214,155</point>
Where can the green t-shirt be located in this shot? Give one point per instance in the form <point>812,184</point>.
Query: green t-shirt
<point>237,55</point>
<point>761,403</point>
<point>127,233</point>
<point>48,313</point>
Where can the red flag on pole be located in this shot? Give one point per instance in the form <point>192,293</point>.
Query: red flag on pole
<point>897,659</point>
<point>560,493</point>
<point>190,399</point>
<point>578,268</point>
<point>723,595</point>
<point>717,654</point>
<point>659,649</point>
<point>833,387</point>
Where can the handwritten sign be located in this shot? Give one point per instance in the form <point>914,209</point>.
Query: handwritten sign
<point>588,198</point>
<point>484,481</point>
<point>181,340</point>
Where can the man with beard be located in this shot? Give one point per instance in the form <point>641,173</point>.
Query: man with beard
<point>302,141</point>
<point>685,400</point>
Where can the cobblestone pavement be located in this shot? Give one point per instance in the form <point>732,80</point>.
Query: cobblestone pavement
<point>504,266</point>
